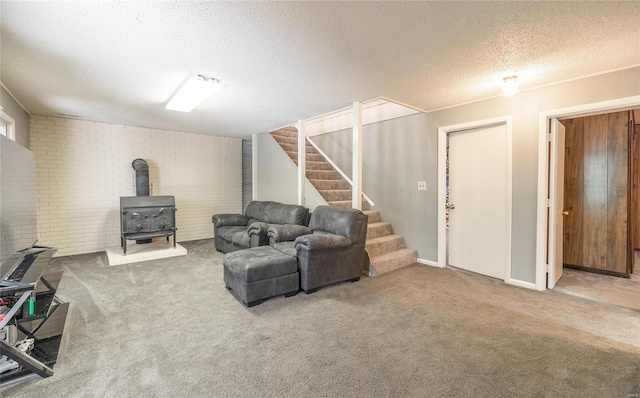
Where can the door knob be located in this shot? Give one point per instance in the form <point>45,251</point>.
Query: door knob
<point>565,212</point>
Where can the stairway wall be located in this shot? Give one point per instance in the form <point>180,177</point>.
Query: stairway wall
<point>278,176</point>
<point>393,162</point>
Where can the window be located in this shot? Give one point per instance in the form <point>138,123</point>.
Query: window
<point>7,125</point>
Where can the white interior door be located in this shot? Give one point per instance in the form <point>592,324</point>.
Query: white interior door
<point>478,208</point>
<point>556,227</point>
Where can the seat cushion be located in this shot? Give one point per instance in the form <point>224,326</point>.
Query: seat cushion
<point>288,248</point>
<point>241,238</point>
<point>259,263</point>
<point>227,233</point>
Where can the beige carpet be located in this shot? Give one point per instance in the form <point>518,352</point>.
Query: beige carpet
<point>169,328</point>
<point>602,288</point>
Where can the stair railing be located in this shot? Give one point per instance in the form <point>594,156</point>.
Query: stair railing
<point>335,166</point>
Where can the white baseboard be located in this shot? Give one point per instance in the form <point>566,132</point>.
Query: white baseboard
<point>428,262</point>
<point>516,282</point>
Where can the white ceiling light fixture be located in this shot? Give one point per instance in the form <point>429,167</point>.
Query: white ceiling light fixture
<point>509,85</point>
<point>193,93</point>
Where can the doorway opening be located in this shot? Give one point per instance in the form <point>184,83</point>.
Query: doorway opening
<point>588,217</point>
<point>600,207</point>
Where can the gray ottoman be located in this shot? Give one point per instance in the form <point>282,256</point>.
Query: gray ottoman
<point>256,274</point>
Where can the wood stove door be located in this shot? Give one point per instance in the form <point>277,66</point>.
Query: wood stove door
<point>148,219</point>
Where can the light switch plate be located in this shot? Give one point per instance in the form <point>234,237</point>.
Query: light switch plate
<point>422,185</point>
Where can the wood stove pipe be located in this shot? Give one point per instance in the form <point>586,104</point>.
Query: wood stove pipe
<point>142,177</point>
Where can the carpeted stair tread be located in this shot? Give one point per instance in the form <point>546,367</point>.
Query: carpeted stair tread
<point>374,216</point>
<point>336,194</point>
<point>284,134</point>
<point>323,175</point>
<point>287,130</point>
<point>346,204</point>
<point>313,165</point>
<point>294,148</point>
<point>290,147</point>
<point>324,185</point>
<point>286,140</point>
<point>377,229</point>
<point>384,244</point>
<point>311,157</point>
<point>391,261</point>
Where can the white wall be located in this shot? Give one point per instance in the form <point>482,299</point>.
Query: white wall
<point>17,197</point>
<point>83,167</point>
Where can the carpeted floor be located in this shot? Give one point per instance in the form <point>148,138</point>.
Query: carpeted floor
<point>169,328</point>
<point>604,288</point>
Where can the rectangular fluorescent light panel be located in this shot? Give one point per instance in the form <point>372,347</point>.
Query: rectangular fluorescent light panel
<point>193,93</point>
<point>509,85</point>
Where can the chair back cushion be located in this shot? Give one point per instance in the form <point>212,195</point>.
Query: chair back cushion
<point>286,214</point>
<point>350,223</point>
<point>276,213</point>
<point>257,210</point>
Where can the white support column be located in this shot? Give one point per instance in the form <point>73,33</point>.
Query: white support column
<point>356,189</point>
<point>302,169</point>
<point>254,166</point>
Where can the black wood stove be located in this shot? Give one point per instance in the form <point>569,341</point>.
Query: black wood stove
<point>146,217</point>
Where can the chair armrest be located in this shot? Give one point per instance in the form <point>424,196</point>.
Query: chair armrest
<point>258,228</point>
<point>314,242</point>
<point>286,233</point>
<point>226,220</point>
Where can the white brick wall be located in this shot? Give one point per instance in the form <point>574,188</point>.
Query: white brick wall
<point>83,167</point>
<point>17,198</point>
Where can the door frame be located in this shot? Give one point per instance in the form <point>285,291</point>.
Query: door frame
<point>442,160</point>
<point>547,164</point>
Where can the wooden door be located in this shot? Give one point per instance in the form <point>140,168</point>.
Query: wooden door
<point>597,193</point>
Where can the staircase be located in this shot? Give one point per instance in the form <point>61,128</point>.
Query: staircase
<point>386,251</point>
<point>329,183</point>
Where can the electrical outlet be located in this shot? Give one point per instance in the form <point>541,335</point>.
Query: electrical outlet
<point>422,185</point>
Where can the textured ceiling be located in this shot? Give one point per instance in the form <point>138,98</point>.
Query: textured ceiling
<point>120,62</point>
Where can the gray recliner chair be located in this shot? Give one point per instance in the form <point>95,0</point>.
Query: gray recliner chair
<point>330,250</point>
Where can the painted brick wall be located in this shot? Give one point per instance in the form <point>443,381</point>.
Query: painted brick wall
<point>83,167</point>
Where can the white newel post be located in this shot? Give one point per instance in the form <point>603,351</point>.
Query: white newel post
<point>356,190</point>
<point>302,142</point>
<point>254,166</point>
